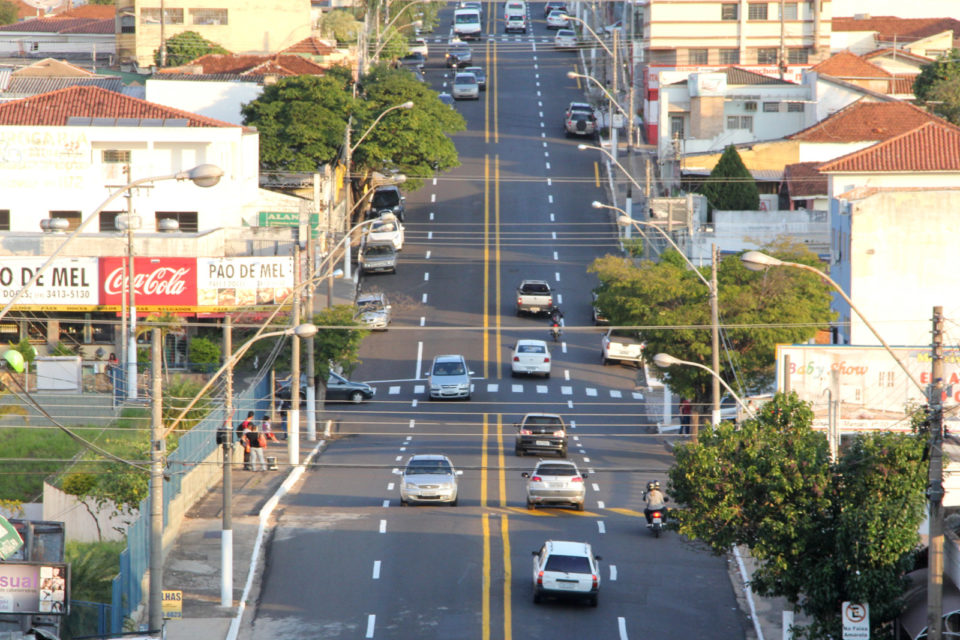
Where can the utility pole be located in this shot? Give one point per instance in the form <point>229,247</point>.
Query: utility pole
<point>348,194</point>
<point>293,422</point>
<point>156,488</point>
<point>715,336</point>
<point>226,533</point>
<point>935,485</point>
<point>614,135</point>
<point>163,40</point>
<point>311,377</point>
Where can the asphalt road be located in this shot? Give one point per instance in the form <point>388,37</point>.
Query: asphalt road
<point>346,560</point>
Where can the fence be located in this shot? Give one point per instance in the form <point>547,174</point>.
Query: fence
<point>86,619</point>
<point>193,447</point>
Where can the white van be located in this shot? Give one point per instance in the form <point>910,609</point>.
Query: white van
<point>466,24</point>
<point>514,8</point>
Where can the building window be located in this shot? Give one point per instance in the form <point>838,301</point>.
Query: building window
<point>698,56</point>
<point>108,221</point>
<point>750,106</point>
<point>757,11</point>
<point>934,53</point>
<point>740,122</point>
<point>676,127</point>
<point>4,219</point>
<point>728,11</point>
<point>729,56</point>
<point>797,56</point>
<point>791,11</point>
<point>187,219</point>
<point>208,16</point>
<point>115,156</point>
<point>794,107</point>
<point>771,107</point>
<point>73,217</point>
<point>128,22</point>
<point>767,55</point>
<point>152,16</point>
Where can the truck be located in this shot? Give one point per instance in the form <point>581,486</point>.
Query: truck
<point>621,345</point>
<point>534,296</point>
<point>467,24</point>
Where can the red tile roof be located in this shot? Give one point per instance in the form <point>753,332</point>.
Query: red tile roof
<point>96,11</point>
<point>804,180</point>
<point>849,65</point>
<point>891,29</point>
<point>63,25</point>
<point>933,146</point>
<point>276,64</point>
<point>54,108</point>
<point>902,84</point>
<point>866,121</point>
<point>311,46</point>
<point>896,53</point>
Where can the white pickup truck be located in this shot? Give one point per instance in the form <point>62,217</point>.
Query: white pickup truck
<point>534,296</point>
<point>621,345</point>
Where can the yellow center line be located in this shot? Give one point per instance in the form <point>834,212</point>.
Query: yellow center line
<point>575,70</point>
<point>496,264</point>
<point>483,463</point>
<point>485,599</point>
<point>486,266</point>
<point>501,470</point>
<point>596,173</point>
<point>507,579</point>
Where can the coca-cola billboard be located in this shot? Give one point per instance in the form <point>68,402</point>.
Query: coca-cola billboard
<point>160,284</point>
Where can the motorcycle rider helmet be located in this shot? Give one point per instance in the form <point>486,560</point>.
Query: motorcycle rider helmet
<point>651,486</point>
<point>656,484</point>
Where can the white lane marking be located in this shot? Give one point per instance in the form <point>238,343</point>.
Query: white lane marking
<point>403,448</point>
<point>386,503</point>
<point>600,504</point>
<point>434,182</point>
<point>546,154</point>
<point>543,135</point>
<point>601,527</point>
<point>622,624</point>
<point>416,373</point>
<point>423,300</point>
<point>413,403</point>
<point>429,235</point>
<point>398,459</point>
<point>426,256</point>
<point>541,114</point>
<point>431,215</point>
<point>537,75</point>
<point>549,181</point>
<point>591,471</point>
<point>412,422</point>
<point>422,321</point>
<point>551,218</point>
<point>383,528</point>
<point>548,166</point>
<point>560,301</point>
<point>542,125</point>
<point>426,276</point>
<point>394,390</point>
<point>553,234</point>
<point>573,424</point>
<point>539,95</point>
<point>542,388</point>
<point>372,621</point>
<point>516,388</point>
<point>576,438</point>
<point>556,275</point>
<point>591,392</point>
<point>615,393</point>
<point>556,256</point>
<point>409,438</point>
<point>537,84</point>
<point>596,487</point>
<point>493,387</point>
<point>550,199</point>
<point>418,388</point>
<point>390,486</point>
<point>376,570</point>
<point>544,145</point>
<point>539,102</point>
<point>566,391</point>
<point>586,459</point>
<point>613,573</point>
<point>566,374</point>
<point>569,404</point>
<point>563,346</point>
<point>637,395</point>
<point>433,197</point>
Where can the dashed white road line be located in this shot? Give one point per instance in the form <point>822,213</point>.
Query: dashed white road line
<point>386,503</point>
<point>552,219</point>
<point>601,527</point>
<point>576,438</point>
<point>429,235</point>
<point>383,526</point>
<point>556,275</point>
<point>426,276</point>
<point>566,391</point>
<point>412,422</point>
<point>549,182</point>
<point>637,395</point>
<point>622,624</point>
<point>372,622</point>
<point>559,297</point>
<point>556,256</point>
<point>596,487</point>
<point>422,321</point>
<point>591,392</point>
<point>550,199</point>
<point>548,166</point>
<point>434,182</point>
<point>403,448</point>
<point>492,387</point>
<point>376,571</point>
<point>569,404</point>
<point>563,346</point>
<point>585,459</point>
<point>553,235</point>
<point>413,403</point>
<point>613,573</point>
<point>431,215</point>
<point>566,375</point>
<point>541,114</point>
<point>426,256</point>
<point>420,349</point>
<point>600,505</point>
<point>573,424</point>
<point>546,154</point>
<point>423,300</point>
<point>616,393</point>
<point>394,390</point>
<point>516,388</point>
<point>433,197</point>
<point>591,471</point>
<point>390,486</point>
<point>398,458</point>
<point>542,388</point>
<point>418,389</point>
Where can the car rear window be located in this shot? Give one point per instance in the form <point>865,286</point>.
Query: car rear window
<point>427,466</point>
<point>380,250</point>
<point>544,428</point>
<point>386,199</point>
<point>545,420</point>
<point>568,564</point>
<point>556,470</point>
<point>535,288</point>
<point>530,348</point>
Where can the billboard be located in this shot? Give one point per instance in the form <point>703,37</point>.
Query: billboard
<point>227,283</point>
<point>34,588</point>
<point>159,284</point>
<point>68,284</point>
<point>871,388</point>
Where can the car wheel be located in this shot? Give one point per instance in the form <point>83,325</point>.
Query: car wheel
<point>531,506</point>
<point>455,501</point>
<point>469,395</point>
<point>356,397</point>
<point>579,506</point>
<point>517,451</point>
<point>537,598</point>
<point>593,601</point>
<point>546,375</point>
<point>403,503</point>
<point>563,452</point>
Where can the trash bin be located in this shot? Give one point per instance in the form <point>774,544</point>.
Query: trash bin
<point>272,463</point>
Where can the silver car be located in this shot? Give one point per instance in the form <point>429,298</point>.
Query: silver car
<point>465,86</point>
<point>428,478</point>
<point>374,311</point>
<point>378,257</point>
<point>555,482</point>
<point>449,377</point>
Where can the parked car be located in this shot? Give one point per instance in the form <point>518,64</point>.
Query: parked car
<point>599,317</point>
<point>418,45</point>
<point>387,229</point>
<point>530,357</point>
<point>557,482</point>
<point>378,256</point>
<point>449,377</point>
<point>429,478</point>
<point>374,311</point>
<point>282,390</point>
<point>580,119</point>
<point>565,39</point>
<point>563,569</point>
<point>553,6</point>
<point>516,23</point>
<point>446,99</point>
<point>558,20</point>
<point>480,75</point>
<point>339,388</point>
<point>413,59</point>
<point>465,87</point>
<point>621,345</point>
<point>387,199</point>
<point>459,54</point>
<point>543,432</point>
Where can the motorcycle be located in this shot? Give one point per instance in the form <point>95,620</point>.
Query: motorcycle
<point>556,331</point>
<point>656,522</point>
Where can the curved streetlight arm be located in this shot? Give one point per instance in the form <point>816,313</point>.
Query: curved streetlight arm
<point>592,32</point>
<point>757,261</point>
<point>609,155</point>
<point>574,74</point>
<point>406,105</point>
<point>670,360</point>
<point>202,179</point>
<point>379,49</point>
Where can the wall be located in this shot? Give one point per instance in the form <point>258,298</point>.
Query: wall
<point>220,100</point>
<point>840,183</point>
<point>80,525</point>
<point>735,231</point>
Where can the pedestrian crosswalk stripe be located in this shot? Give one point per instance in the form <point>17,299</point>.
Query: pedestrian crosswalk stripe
<point>493,388</point>
<point>394,390</point>
<point>542,388</point>
<point>591,392</point>
<point>615,393</point>
<point>566,390</point>
<point>517,388</point>
<point>637,395</point>
<point>418,388</point>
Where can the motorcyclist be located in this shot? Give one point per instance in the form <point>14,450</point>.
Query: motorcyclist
<point>556,322</point>
<point>654,500</point>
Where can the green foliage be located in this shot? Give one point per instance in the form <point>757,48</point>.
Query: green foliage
<point>63,349</point>
<point>821,533</point>
<point>788,304</point>
<point>938,84</point>
<point>177,394</point>
<point>339,346</point>
<point>203,352</point>
<point>27,350</point>
<point>730,186</point>
<point>93,565</point>
<point>633,247</point>
<point>186,47</point>
<point>340,24</point>
<point>8,12</point>
<point>44,449</point>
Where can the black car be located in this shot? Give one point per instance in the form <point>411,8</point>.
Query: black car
<point>544,432</point>
<point>414,60</point>
<point>459,55</point>
<point>339,388</point>
<point>387,199</point>
<point>282,391</point>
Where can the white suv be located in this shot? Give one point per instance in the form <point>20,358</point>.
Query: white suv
<point>564,569</point>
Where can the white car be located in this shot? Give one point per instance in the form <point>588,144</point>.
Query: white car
<point>465,86</point>
<point>565,39</point>
<point>530,357</point>
<point>428,478</point>
<point>515,23</point>
<point>558,20</point>
<point>418,45</point>
<point>387,229</point>
<point>563,569</point>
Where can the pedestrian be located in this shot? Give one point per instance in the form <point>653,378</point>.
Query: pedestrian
<point>256,443</point>
<point>685,410</point>
<point>267,430</point>
<point>241,429</point>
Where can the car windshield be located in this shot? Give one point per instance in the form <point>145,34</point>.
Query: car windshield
<point>530,348</point>
<point>386,199</point>
<point>382,227</point>
<point>557,470</point>
<point>468,18</point>
<point>448,369</point>
<point>371,305</point>
<point>568,564</point>
<point>565,33</point>
<point>416,467</point>
<point>466,78</point>
<point>380,250</point>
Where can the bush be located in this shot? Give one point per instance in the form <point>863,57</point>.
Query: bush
<point>203,354</point>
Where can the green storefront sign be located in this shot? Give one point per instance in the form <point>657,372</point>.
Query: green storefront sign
<point>288,219</point>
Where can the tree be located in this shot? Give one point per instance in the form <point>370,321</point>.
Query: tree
<point>204,355</point>
<point>339,346</point>
<point>302,123</point>
<point>340,24</point>
<point>938,84</point>
<point>822,533</point>
<point>758,310</point>
<point>8,12</point>
<point>730,186</point>
<point>186,47</point>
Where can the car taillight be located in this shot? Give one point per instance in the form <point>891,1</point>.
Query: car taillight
<point>526,432</point>
<point>550,301</point>
<point>540,578</point>
<point>559,434</point>
<point>576,479</point>
<point>546,359</point>
<point>595,581</point>
<point>516,358</point>
<point>519,300</point>
<point>536,479</point>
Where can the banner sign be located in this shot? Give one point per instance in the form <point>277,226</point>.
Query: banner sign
<point>34,587</point>
<point>69,283</point>
<point>160,284</point>
<point>10,540</point>
<point>172,604</point>
<point>872,390</point>
<point>227,283</point>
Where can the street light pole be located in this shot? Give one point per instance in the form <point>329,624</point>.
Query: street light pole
<point>665,360</point>
<point>157,447</point>
<point>226,529</point>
